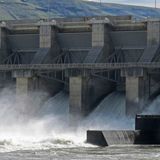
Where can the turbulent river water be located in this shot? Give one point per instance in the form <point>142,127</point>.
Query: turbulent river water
<point>32,131</point>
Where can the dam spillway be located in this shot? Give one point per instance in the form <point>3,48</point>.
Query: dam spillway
<point>89,57</point>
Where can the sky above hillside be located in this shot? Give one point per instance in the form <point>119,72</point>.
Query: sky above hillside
<point>150,3</point>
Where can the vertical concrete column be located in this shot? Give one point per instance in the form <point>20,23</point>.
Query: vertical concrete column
<point>24,82</point>
<point>98,34</point>
<point>153,32</point>
<point>23,85</point>
<point>101,37</point>
<point>46,36</point>
<point>77,97</point>
<point>137,90</point>
<point>3,43</point>
<point>48,42</point>
<point>134,95</point>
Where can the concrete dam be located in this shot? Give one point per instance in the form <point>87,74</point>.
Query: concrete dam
<point>89,58</point>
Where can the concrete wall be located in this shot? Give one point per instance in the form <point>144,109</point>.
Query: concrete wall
<point>24,41</point>
<point>75,40</point>
<point>129,39</point>
<point>132,55</point>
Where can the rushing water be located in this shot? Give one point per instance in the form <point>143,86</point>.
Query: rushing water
<point>30,131</point>
<point>110,114</point>
<point>86,153</point>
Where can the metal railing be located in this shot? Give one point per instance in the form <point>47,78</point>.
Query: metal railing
<point>91,66</point>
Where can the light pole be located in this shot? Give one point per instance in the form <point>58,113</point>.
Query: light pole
<point>155,3</point>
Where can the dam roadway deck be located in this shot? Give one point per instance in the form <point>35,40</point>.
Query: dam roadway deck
<point>90,66</point>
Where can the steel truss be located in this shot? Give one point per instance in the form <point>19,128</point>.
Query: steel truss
<point>112,75</point>
<point>14,58</point>
<point>63,58</point>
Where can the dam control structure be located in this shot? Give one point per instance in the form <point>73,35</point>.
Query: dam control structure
<point>89,57</point>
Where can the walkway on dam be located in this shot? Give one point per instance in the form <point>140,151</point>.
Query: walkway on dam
<point>90,66</point>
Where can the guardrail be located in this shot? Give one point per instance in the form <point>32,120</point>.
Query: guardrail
<point>91,66</point>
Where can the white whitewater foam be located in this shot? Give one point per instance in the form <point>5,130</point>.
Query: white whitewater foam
<point>27,125</point>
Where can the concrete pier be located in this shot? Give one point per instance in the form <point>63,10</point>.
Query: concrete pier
<point>153,32</point>
<point>101,38</point>
<point>137,90</point>
<point>24,82</point>
<point>78,97</point>
<point>3,44</point>
<point>134,95</point>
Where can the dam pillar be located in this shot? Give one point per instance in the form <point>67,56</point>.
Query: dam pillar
<point>98,34</point>
<point>77,97</point>
<point>101,38</point>
<point>153,32</point>
<point>24,82</point>
<point>48,40</point>
<point>137,90</point>
<point>4,76</point>
<point>46,34</point>
<point>49,49</point>
<point>3,44</point>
